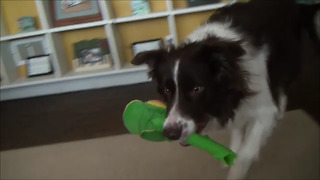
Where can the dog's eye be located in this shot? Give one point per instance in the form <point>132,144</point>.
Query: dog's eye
<point>198,89</point>
<point>167,91</point>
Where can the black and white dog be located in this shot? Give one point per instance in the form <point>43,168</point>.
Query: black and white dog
<point>236,69</point>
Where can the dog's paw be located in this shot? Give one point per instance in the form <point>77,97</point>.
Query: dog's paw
<point>240,168</point>
<point>236,173</point>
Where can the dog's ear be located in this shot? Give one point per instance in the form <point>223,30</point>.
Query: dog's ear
<point>148,57</point>
<point>151,58</point>
<point>224,60</point>
<point>221,56</point>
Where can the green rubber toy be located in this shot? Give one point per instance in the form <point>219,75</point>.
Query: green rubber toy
<point>146,119</point>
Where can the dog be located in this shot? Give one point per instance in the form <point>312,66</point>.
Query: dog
<point>236,69</point>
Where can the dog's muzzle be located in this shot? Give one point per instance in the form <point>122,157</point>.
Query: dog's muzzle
<point>173,131</point>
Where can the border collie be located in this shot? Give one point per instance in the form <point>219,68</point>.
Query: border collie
<point>236,70</point>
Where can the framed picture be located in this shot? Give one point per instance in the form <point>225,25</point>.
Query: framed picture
<point>91,54</point>
<point>22,49</point>
<point>67,12</point>
<point>34,53</point>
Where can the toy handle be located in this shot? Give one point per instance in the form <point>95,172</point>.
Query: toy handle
<point>217,150</point>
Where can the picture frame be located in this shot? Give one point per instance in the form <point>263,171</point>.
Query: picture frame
<point>104,62</point>
<point>91,54</point>
<point>34,53</point>
<point>68,12</point>
<point>21,52</point>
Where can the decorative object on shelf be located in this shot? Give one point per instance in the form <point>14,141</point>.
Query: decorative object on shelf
<point>146,45</point>
<point>34,54</point>
<point>91,55</point>
<point>192,3</point>
<point>26,24</point>
<point>23,48</point>
<point>39,65</point>
<point>67,12</point>
<point>139,7</point>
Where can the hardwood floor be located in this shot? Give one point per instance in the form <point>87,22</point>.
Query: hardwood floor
<point>68,117</point>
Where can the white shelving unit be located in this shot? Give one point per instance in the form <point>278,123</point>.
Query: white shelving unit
<point>63,80</point>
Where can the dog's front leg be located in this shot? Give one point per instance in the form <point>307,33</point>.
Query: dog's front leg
<point>255,137</point>
<point>236,139</point>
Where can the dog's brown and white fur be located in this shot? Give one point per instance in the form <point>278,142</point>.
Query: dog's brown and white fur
<point>236,69</point>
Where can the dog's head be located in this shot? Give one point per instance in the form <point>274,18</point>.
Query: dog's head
<point>198,81</point>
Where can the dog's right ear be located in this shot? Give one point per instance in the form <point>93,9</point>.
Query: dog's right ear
<point>148,57</point>
<point>151,58</point>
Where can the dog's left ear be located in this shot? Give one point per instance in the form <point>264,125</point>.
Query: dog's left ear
<point>222,56</point>
<point>224,60</point>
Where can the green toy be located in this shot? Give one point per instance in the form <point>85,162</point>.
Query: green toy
<point>146,120</point>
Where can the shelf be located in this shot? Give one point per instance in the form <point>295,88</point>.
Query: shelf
<point>71,75</point>
<point>173,12</point>
<point>125,69</point>
<point>130,67</point>
<point>162,21</point>
<point>47,85</point>
<point>117,20</point>
<point>4,83</point>
<point>140,17</point>
<point>23,35</point>
<point>79,26</point>
<point>29,81</point>
<point>75,75</point>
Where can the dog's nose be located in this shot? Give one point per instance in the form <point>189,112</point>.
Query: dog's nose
<point>173,132</point>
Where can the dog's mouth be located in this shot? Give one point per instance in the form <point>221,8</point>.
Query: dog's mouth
<point>200,125</point>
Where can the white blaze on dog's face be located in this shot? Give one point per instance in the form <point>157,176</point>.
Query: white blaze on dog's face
<point>177,126</point>
<point>195,82</point>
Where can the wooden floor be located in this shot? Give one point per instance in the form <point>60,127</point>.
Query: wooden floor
<point>68,117</point>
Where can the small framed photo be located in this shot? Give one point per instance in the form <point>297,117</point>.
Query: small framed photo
<point>67,12</point>
<point>34,53</point>
<point>146,46</point>
<point>22,49</point>
<point>91,54</point>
